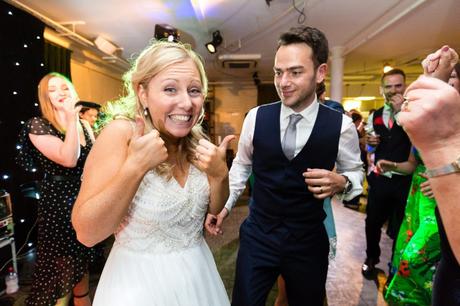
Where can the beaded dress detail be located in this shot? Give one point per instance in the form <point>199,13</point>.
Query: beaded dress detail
<point>159,256</point>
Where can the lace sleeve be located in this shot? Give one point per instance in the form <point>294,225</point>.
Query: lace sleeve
<point>25,156</point>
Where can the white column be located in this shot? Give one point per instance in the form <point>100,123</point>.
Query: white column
<point>336,69</point>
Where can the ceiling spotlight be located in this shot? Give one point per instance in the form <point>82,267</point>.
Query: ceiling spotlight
<point>216,41</point>
<point>387,67</point>
<point>165,31</point>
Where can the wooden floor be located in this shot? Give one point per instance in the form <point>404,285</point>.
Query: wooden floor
<point>345,284</point>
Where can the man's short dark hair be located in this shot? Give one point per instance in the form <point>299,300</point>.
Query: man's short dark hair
<point>313,37</point>
<point>393,72</point>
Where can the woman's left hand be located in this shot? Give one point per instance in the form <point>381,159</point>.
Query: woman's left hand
<point>212,159</point>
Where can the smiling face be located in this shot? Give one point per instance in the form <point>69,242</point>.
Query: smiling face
<point>393,84</point>
<point>174,98</point>
<point>296,76</point>
<point>58,91</point>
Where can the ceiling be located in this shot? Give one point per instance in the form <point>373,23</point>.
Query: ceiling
<point>372,32</point>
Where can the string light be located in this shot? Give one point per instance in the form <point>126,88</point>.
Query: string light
<point>17,63</point>
<point>15,92</point>
<point>19,147</point>
<point>10,13</point>
<point>5,176</point>
<point>22,122</point>
<point>35,104</point>
<point>22,220</point>
<point>25,45</point>
<point>38,37</point>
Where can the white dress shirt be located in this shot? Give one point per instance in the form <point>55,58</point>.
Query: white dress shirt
<point>348,157</point>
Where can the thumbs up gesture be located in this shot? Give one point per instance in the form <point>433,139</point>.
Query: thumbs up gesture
<point>146,150</point>
<point>211,159</point>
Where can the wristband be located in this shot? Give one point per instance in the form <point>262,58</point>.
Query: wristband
<point>453,167</point>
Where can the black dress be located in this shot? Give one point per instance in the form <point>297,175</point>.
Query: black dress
<point>61,259</point>
<point>446,287</point>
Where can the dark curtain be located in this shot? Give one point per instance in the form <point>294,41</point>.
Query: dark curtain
<point>21,68</point>
<point>57,59</point>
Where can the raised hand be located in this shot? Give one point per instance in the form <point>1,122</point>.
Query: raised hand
<point>211,159</point>
<point>396,102</point>
<point>146,151</point>
<point>429,118</point>
<point>440,63</point>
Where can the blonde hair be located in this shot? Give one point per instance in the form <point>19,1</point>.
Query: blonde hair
<point>46,106</point>
<point>156,57</point>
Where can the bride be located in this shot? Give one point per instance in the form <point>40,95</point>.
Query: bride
<point>150,178</point>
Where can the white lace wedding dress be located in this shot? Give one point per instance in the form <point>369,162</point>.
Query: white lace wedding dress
<point>159,256</point>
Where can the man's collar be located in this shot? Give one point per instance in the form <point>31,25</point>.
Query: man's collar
<point>308,113</point>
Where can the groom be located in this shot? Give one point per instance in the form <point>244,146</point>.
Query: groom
<point>291,147</point>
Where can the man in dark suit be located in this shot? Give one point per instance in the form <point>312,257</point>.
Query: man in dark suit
<point>388,191</point>
<point>292,147</point>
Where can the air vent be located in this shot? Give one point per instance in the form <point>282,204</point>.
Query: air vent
<point>239,61</point>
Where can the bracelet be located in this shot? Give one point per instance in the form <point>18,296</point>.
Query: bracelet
<point>452,167</point>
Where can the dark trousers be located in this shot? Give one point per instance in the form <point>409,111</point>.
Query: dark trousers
<point>262,256</point>
<point>386,202</point>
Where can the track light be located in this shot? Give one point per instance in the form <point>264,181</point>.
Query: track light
<point>165,31</point>
<point>216,41</point>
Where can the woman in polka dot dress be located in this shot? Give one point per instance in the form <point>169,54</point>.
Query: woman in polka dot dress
<point>58,143</point>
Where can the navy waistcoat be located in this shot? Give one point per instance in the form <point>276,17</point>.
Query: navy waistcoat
<point>280,194</point>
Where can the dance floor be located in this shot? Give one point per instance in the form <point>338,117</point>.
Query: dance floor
<point>345,284</point>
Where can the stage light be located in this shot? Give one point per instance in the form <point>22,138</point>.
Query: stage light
<point>165,31</point>
<point>216,42</point>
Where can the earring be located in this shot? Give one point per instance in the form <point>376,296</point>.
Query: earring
<point>146,112</point>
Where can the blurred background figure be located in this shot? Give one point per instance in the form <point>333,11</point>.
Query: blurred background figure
<point>58,143</point>
<point>89,111</point>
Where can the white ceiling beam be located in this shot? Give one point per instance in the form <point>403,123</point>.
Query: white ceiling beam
<point>377,26</point>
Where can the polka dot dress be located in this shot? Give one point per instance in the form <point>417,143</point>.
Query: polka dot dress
<point>61,259</point>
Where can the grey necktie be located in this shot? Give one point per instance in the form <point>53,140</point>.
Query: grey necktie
<point>288,143</point>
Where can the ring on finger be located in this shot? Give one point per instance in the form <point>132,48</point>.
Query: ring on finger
<point>320,189</point>
<point>405,105</point>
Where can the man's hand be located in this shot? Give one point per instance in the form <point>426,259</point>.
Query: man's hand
<point>396,102</point>
<point>373,140</point>
<point>324,183</point>
<point>213,223</point>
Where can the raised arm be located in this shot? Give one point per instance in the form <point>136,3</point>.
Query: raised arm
<point>113,171</point>
<point>67,152</point>
<point>211,159</point>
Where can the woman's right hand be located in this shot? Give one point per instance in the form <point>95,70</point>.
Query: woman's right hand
<point>146,151</point>
<point>384,165</point>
